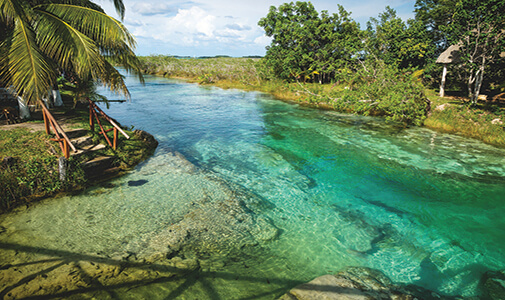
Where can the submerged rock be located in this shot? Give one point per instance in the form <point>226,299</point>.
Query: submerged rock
<point>493,285</point>
<point>356,234</point>
<point>214,227</point>
<point>218,223</point>
<point>357,283</point>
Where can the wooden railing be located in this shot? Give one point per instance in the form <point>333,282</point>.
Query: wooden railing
<point>60,135</point>
<point>94,112</point>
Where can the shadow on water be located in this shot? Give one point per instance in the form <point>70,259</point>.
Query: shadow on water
<point>429,271</point>
<point>137,182</point>
<point>186,278</point>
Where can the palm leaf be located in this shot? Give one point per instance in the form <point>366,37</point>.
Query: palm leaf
<point>114,80</point>
<point>120,9</point>
<point>110,35</point>
<point>24,65</point>
<point>69,47</point>
<point>106,31</point>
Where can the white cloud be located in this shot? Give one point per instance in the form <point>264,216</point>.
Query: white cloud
<point>150,9</point>
<point>201,27</point>
<point>263,40</point>
<point>193,20</point>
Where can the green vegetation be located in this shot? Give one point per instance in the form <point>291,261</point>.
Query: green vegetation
<point>310,46</point>
<point>326,60</point>
<point>29,161</point>
<point>40,39</point>
<point>32,170</point>
<point>477,28</point>
<point>205,70</point>
<point>484,121</point>
<point>400,44</point>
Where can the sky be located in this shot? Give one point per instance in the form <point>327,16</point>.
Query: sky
<point>222,27</point>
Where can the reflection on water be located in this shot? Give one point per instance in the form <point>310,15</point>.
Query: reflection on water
<point>424,207</point>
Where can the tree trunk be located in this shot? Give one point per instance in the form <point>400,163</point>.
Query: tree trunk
<point>478,81</point>
<point>471,80</point>
<point>442,84</point>
<point>24,111</point>
<point>57,98</point>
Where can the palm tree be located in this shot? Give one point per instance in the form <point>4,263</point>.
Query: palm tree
<point>41,38</point>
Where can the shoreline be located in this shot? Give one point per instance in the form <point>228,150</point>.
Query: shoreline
<point>130,153</point>
<point>176,233</point>
<point>447,115</point>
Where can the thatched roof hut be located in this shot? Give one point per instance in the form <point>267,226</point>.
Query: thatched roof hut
<point>450,55</point>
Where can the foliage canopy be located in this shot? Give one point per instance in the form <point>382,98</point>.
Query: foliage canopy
<point>307,45</point>
<point>40,39</point>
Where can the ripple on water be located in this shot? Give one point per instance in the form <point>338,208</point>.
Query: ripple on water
<point>424,207</point>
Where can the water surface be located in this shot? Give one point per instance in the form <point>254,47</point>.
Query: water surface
<point>423,207</point>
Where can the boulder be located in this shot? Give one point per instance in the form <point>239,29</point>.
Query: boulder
<point>357,283</point>
<point>147,138</point>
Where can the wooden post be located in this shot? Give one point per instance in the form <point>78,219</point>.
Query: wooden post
<point>442,84</point>
<point>46,122</point>
<point>66,149</point>
<point>115,139</point>
<point>62,168</point>
<point>103,131</point>
<point>91,119</point>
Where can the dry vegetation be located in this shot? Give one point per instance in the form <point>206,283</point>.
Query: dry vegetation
<point>454,115</point>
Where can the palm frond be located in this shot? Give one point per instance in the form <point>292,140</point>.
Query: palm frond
<point>69,47</point>
<point>111,36</point>
<point>108,32</point>
<point>120,9</point>
<point>24,65</point>
<point>129,61</point>
<point>114,80</point>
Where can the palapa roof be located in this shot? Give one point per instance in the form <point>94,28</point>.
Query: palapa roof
<point>450,55</point>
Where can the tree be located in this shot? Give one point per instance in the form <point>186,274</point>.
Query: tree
<point>39,38</point>
<point>434,15</point>
<point>307,45</point>
<point>478,28</point>
<point>398,43</point>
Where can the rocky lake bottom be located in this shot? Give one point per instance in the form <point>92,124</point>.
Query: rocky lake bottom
<point>247,197</point>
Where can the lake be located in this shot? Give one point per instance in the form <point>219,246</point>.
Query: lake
<point>316,191</point>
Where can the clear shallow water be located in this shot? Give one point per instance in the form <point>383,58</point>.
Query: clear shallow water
<point>423,207</point>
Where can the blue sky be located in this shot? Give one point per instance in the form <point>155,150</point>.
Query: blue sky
<point>222,27</point>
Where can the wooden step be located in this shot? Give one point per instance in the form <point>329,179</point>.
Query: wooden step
<point>75,133</point>
<point>98,161</point>
<point>97,166</point>
<point>88,148</point>
<point>82,141</point>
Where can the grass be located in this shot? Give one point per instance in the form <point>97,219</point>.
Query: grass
<point>209,70</point>
<point>454,115</point>
<point>32,171</point>
<point>457,117</point>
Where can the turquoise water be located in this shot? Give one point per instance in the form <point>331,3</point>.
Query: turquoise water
<point>423,207</point>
